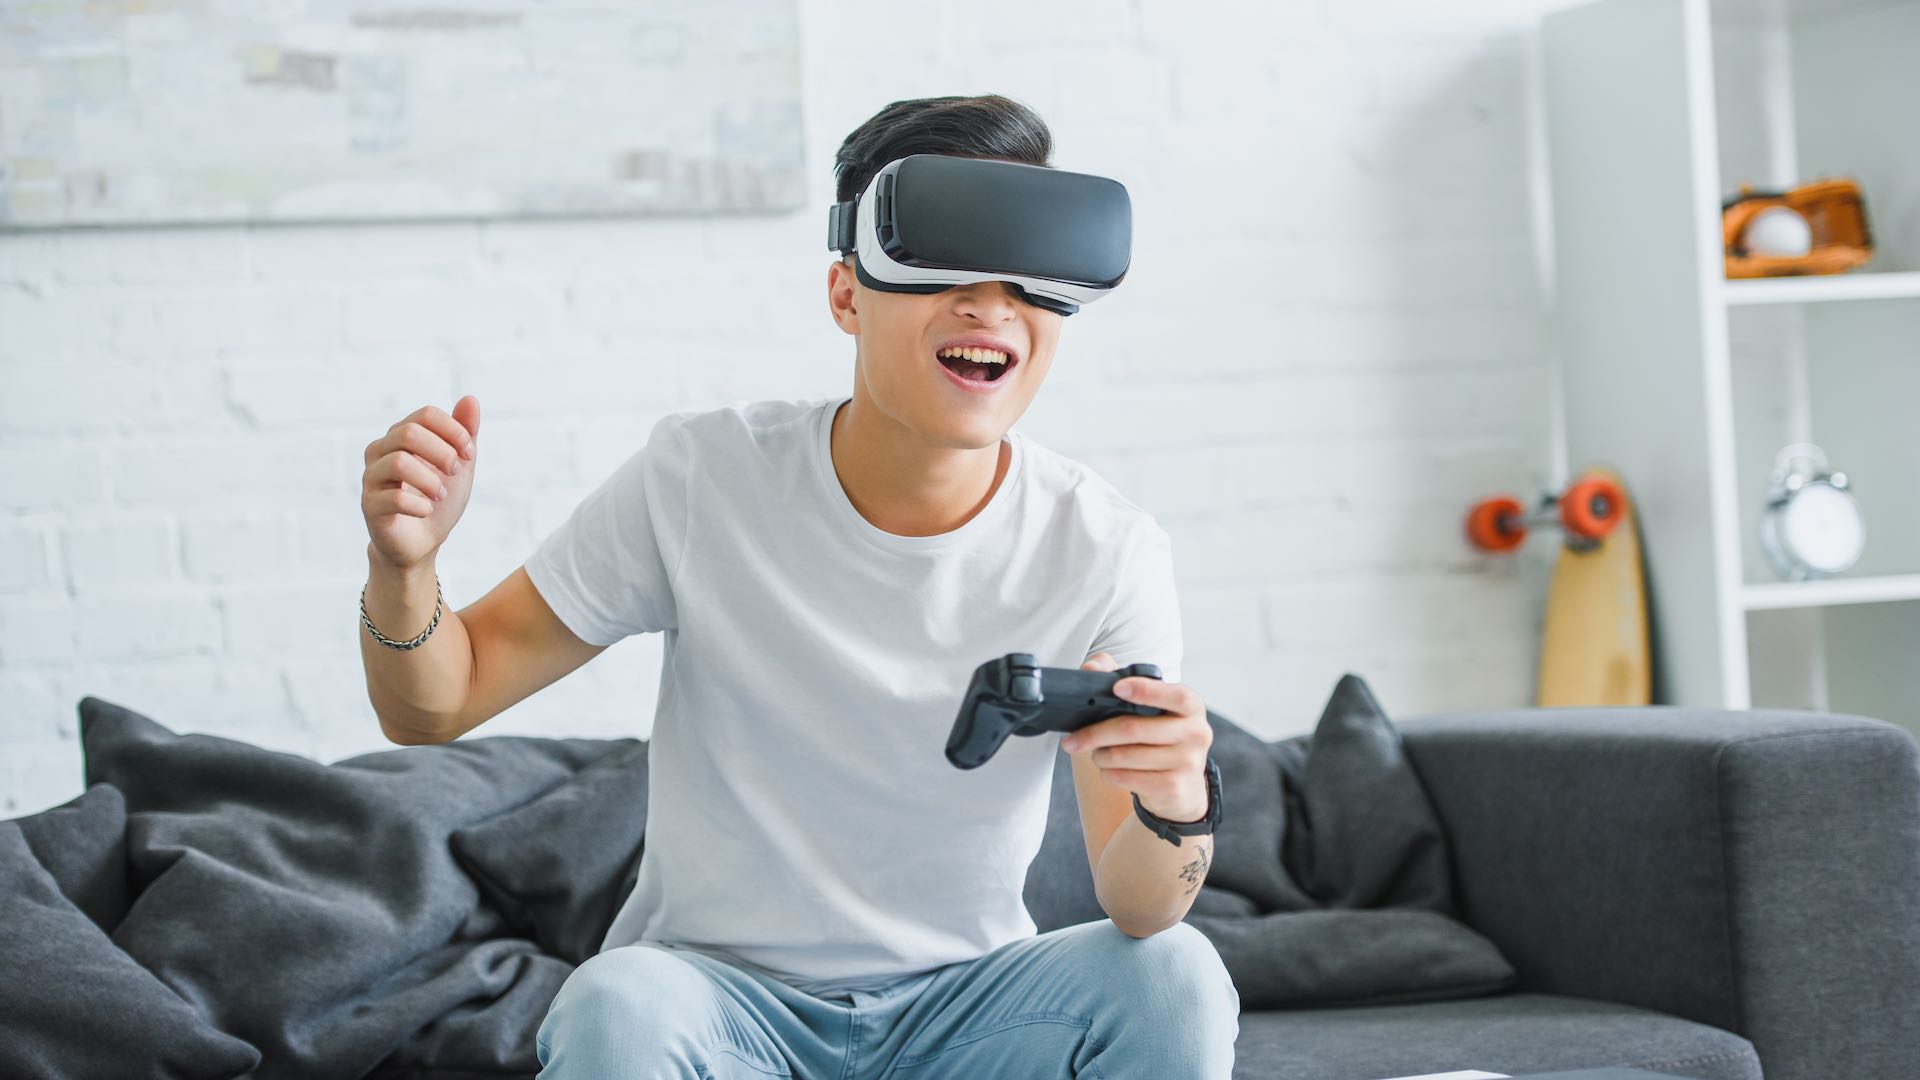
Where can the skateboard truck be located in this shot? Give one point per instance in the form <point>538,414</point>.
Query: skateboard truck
<point>1588,510</point>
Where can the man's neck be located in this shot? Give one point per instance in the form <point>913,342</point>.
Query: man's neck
<point>901,484</point>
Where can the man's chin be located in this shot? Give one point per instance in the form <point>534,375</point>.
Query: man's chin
<point>966,433</point>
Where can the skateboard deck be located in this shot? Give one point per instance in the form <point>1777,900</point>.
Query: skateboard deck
<point>1594,649</point>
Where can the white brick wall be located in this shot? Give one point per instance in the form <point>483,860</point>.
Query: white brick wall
<point>1334,339</point>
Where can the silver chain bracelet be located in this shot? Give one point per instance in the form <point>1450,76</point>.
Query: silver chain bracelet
<point>389,642</point>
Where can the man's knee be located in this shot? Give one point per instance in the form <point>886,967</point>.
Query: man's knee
<point>1175,969</point>
<point>631,1000</point>
<point>1171,1008</point>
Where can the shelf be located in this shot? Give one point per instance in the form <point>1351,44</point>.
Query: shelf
<point>1818,288</point>
<point>1830,591</point>
<point>1775,11</point>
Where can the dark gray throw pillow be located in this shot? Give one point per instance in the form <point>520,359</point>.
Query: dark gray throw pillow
<point>316,910</point>
<point>1331,882</point>
<point>1365,956</point>
<point>72,1004</point>
<point>83,845</point>
<point>560,866</point>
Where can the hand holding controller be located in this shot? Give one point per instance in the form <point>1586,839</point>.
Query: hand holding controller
<point>1012,695</point>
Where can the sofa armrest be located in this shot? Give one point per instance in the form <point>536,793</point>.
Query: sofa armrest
<point>1755,870</point>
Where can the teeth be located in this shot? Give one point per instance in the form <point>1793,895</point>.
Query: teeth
<point>975,354</point>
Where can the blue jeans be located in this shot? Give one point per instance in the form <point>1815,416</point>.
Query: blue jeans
<point>1080,1001</point>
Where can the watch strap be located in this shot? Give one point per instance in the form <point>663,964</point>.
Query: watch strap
<point>1172,831</point>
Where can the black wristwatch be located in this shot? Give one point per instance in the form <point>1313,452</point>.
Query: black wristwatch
<point>1172,831</point>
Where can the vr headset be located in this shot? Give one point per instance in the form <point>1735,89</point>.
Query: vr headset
<point>928,222</point>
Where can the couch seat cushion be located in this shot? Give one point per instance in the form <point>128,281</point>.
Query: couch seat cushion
<point>1506,1033</point>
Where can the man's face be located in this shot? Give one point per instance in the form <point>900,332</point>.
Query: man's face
<point>901,336</point>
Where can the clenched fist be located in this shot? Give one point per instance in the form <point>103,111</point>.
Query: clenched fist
<point>418,477</point>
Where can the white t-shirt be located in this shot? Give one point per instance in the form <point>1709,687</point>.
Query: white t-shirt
<point>801,813</point>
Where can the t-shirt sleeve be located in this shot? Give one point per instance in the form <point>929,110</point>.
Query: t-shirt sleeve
<point>1143,622</point>
<point>607,570</point>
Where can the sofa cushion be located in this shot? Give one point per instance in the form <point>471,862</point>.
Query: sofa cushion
<point>73,1004</point>
<point>1516,1034</point>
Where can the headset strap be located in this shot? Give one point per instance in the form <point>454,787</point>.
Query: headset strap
<point>840,226</point>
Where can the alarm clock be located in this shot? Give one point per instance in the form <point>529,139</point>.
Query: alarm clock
<point>1811,526</point>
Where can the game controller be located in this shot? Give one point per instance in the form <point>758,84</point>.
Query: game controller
<point>1012,695</point>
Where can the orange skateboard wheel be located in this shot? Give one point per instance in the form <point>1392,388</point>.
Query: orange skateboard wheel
<point>1496,524</point>
<point>1591,507</point>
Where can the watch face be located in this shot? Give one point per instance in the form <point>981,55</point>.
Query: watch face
<point>1821,527</point>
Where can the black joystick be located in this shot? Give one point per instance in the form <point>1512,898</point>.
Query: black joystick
<point>1012,695</point>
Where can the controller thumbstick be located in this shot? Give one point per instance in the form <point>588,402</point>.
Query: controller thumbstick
<point>1025,689</point>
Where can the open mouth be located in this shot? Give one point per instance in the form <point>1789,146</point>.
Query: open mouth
<point>975,363</point>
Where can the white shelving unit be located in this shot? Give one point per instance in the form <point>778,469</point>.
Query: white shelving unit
<point>1869,590</point>
<point>1689,383</point>
<point>1813,290</point>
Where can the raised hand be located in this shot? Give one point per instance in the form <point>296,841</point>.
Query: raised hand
<point>417,481</point>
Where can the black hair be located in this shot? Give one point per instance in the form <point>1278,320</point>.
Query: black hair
<point>985,126</point>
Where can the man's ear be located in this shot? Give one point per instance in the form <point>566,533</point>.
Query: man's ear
<point>842,294</point>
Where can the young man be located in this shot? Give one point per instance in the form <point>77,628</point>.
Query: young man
<point>821,893</point>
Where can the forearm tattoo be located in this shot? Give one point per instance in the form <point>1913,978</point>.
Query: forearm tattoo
<point>1194,872</point>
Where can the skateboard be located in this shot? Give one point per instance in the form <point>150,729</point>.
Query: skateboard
<point>1594,650</point>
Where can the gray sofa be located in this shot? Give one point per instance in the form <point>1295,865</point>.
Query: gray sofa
<point>1701,893</point>
<point>1695,893</point>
